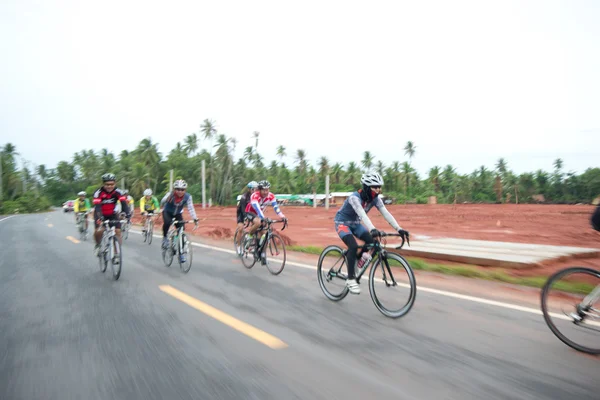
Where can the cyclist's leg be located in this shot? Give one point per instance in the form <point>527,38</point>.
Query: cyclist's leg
<point>99,229</point>
<point>167,221</point>
<point>345,233</point>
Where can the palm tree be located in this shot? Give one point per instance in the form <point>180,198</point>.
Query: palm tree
<point>281,152</point>
<point>301,158</point>
<point>209,131</point>
<point>367,160</point>
<point>434,175</point>
<point>191,144</point>
<point>410,149</point>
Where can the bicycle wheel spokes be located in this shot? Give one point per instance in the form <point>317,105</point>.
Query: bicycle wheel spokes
<point>116,258</point>
<point>393,287</point>
<point>570,304</point>
<point>332,271</point>
<point>187,253</point>
<point>274,254</point>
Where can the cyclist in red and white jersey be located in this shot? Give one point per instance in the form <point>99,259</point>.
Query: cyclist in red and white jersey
<point>258,203</point>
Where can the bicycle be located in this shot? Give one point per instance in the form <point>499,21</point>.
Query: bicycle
<point>251,246</point>
<point>580,312</point>
<point>149,228</point>
<point>110,249</point>
<point>81,225</point>
<point>381,259</point>
<point>178,244</point>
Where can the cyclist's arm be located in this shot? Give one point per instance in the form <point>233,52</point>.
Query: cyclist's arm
<point>164,199</point>
<point>257,210</point>
<point>142,204</point>
<point>88,206</point>
<point>362,215</point>
<point>386,214</point>
<point>76,207</point>
<point>97,205</point>
<point>124,203</point>
<point>276,207</point>
<point>155,202</point>
<point>190,205</point>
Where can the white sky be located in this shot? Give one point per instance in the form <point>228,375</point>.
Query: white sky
<point>466,81</point>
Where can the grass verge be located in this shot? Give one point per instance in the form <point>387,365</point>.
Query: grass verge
<point>472,272</point>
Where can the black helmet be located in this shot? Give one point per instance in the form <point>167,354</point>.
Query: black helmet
<point>108,177</point>
<point>264,184</point>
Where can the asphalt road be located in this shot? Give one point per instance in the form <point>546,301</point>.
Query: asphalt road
<point>70,332</point>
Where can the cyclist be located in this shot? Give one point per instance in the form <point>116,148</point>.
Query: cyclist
<point>241,207</point>
<point>173,209</point>
<point>82,205</point>
<point>148,205</point>
<point>106,201</point>
<point>130,201</point>
<point>258,202</point>
<point>348,221</point>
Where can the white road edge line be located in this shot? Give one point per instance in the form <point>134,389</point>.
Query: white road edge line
<point>10,216</point>
<point>419,288</point>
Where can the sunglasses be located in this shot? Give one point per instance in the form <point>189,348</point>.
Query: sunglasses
<point>180,190</point>
<point>375,187</point>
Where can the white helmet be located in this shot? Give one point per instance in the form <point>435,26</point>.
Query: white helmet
<point>371,180</point>
<point>180,184</point>
<point>148,192</point>
<point>81,194</point>
<point>252,184</point>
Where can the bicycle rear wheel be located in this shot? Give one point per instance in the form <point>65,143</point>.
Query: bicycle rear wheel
<point>274,254</point>
<point>332,268</point>
<point>571,306</point>
<point>185,250</point>
<point>116,258</point>
<point>394,278</point>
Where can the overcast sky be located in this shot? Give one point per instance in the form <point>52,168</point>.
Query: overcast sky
<point>466,81</point>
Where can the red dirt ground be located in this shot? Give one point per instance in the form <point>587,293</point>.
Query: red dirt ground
<point>567,225</point>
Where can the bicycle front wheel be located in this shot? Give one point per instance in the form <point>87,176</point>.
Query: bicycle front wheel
<point>103,256</point>
<point>150,231</point>
<point>116,258</point>
<point>238,236</point>
<point>185,252</point>
<point>392,285</point>
<point>569,301</point>
<point>248,251</point>
<point>274,254</point>
<point>332,272</point>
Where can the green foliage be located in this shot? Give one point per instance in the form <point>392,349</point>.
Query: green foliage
<point>26,203</point>
<point>145,167</point>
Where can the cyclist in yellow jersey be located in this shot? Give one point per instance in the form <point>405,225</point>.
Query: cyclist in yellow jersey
<point>148,206</point>
<point>82,205</point>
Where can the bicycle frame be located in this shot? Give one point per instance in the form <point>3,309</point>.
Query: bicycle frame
<point>269,232</point>
<point>377,250</point>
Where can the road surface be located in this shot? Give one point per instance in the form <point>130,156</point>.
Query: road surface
<point>224,332</point>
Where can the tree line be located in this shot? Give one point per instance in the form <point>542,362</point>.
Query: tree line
<point>34,187</point>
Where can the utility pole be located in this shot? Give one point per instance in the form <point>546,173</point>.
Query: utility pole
<point>171,181</point>
<point>203,185</point>
<point>327,192</point>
